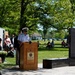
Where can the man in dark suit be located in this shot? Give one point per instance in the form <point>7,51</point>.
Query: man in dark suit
<point>16,46</point>
<point>12,39</point>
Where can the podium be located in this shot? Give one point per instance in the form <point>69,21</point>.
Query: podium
<point>29,56</point>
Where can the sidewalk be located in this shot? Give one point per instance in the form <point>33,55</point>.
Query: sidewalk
<point>67,70</point>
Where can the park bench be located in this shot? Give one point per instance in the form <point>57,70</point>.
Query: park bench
<point>55,62</point>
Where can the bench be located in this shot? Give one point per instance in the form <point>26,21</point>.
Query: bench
<point>55,62</point>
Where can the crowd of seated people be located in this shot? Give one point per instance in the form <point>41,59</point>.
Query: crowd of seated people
<point>51,44</point>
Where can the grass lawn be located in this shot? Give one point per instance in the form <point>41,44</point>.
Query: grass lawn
<point>52,53</point>
<point>42,54</point>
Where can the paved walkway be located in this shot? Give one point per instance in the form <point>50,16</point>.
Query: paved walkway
<point>67,70</point>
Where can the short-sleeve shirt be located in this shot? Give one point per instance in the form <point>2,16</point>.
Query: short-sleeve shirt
<point>24,38</point>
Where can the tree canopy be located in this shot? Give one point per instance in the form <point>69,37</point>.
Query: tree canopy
<point>57,14</point>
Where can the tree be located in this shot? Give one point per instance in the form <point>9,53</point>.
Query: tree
<point>48,13</point>
<point>27,18</point>
<point>9,17</point>
<point>72,5</point>
<point>55,14</point>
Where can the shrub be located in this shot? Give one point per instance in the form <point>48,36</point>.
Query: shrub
<point>3,55</point>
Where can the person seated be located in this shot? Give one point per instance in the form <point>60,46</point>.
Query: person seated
<point>63,43</point>
<point>52,43</point>
<point>7,43</point>
<point>48,45</point>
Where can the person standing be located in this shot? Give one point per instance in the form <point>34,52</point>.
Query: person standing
<point>12,43</point>
<point>12,39</point>
<point>23,37</point>
<point>17,48</point>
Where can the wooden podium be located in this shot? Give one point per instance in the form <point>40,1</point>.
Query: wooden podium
<point>29,56</point>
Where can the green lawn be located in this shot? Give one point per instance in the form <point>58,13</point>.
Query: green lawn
<point>52,53</point>
<point>42,54</point>
<point>45,53</point>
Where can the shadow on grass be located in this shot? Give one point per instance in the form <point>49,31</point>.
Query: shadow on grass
<point>52,49</point>
<point>9,64</point>
<point>5,66</point>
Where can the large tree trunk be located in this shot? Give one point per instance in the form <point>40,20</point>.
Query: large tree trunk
<point>22,18</point>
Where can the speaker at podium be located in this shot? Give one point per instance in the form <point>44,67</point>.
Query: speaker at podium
<point>29,56</point>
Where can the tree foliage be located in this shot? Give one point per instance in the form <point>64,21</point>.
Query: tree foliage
<point>9,14</point>
<point>55,14</point>
<point>27,18</point>
<point>16,14</point>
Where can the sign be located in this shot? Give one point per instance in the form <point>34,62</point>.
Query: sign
<point>30,56</point>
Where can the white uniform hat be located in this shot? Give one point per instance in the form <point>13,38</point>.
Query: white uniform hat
<point>25,29</point>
